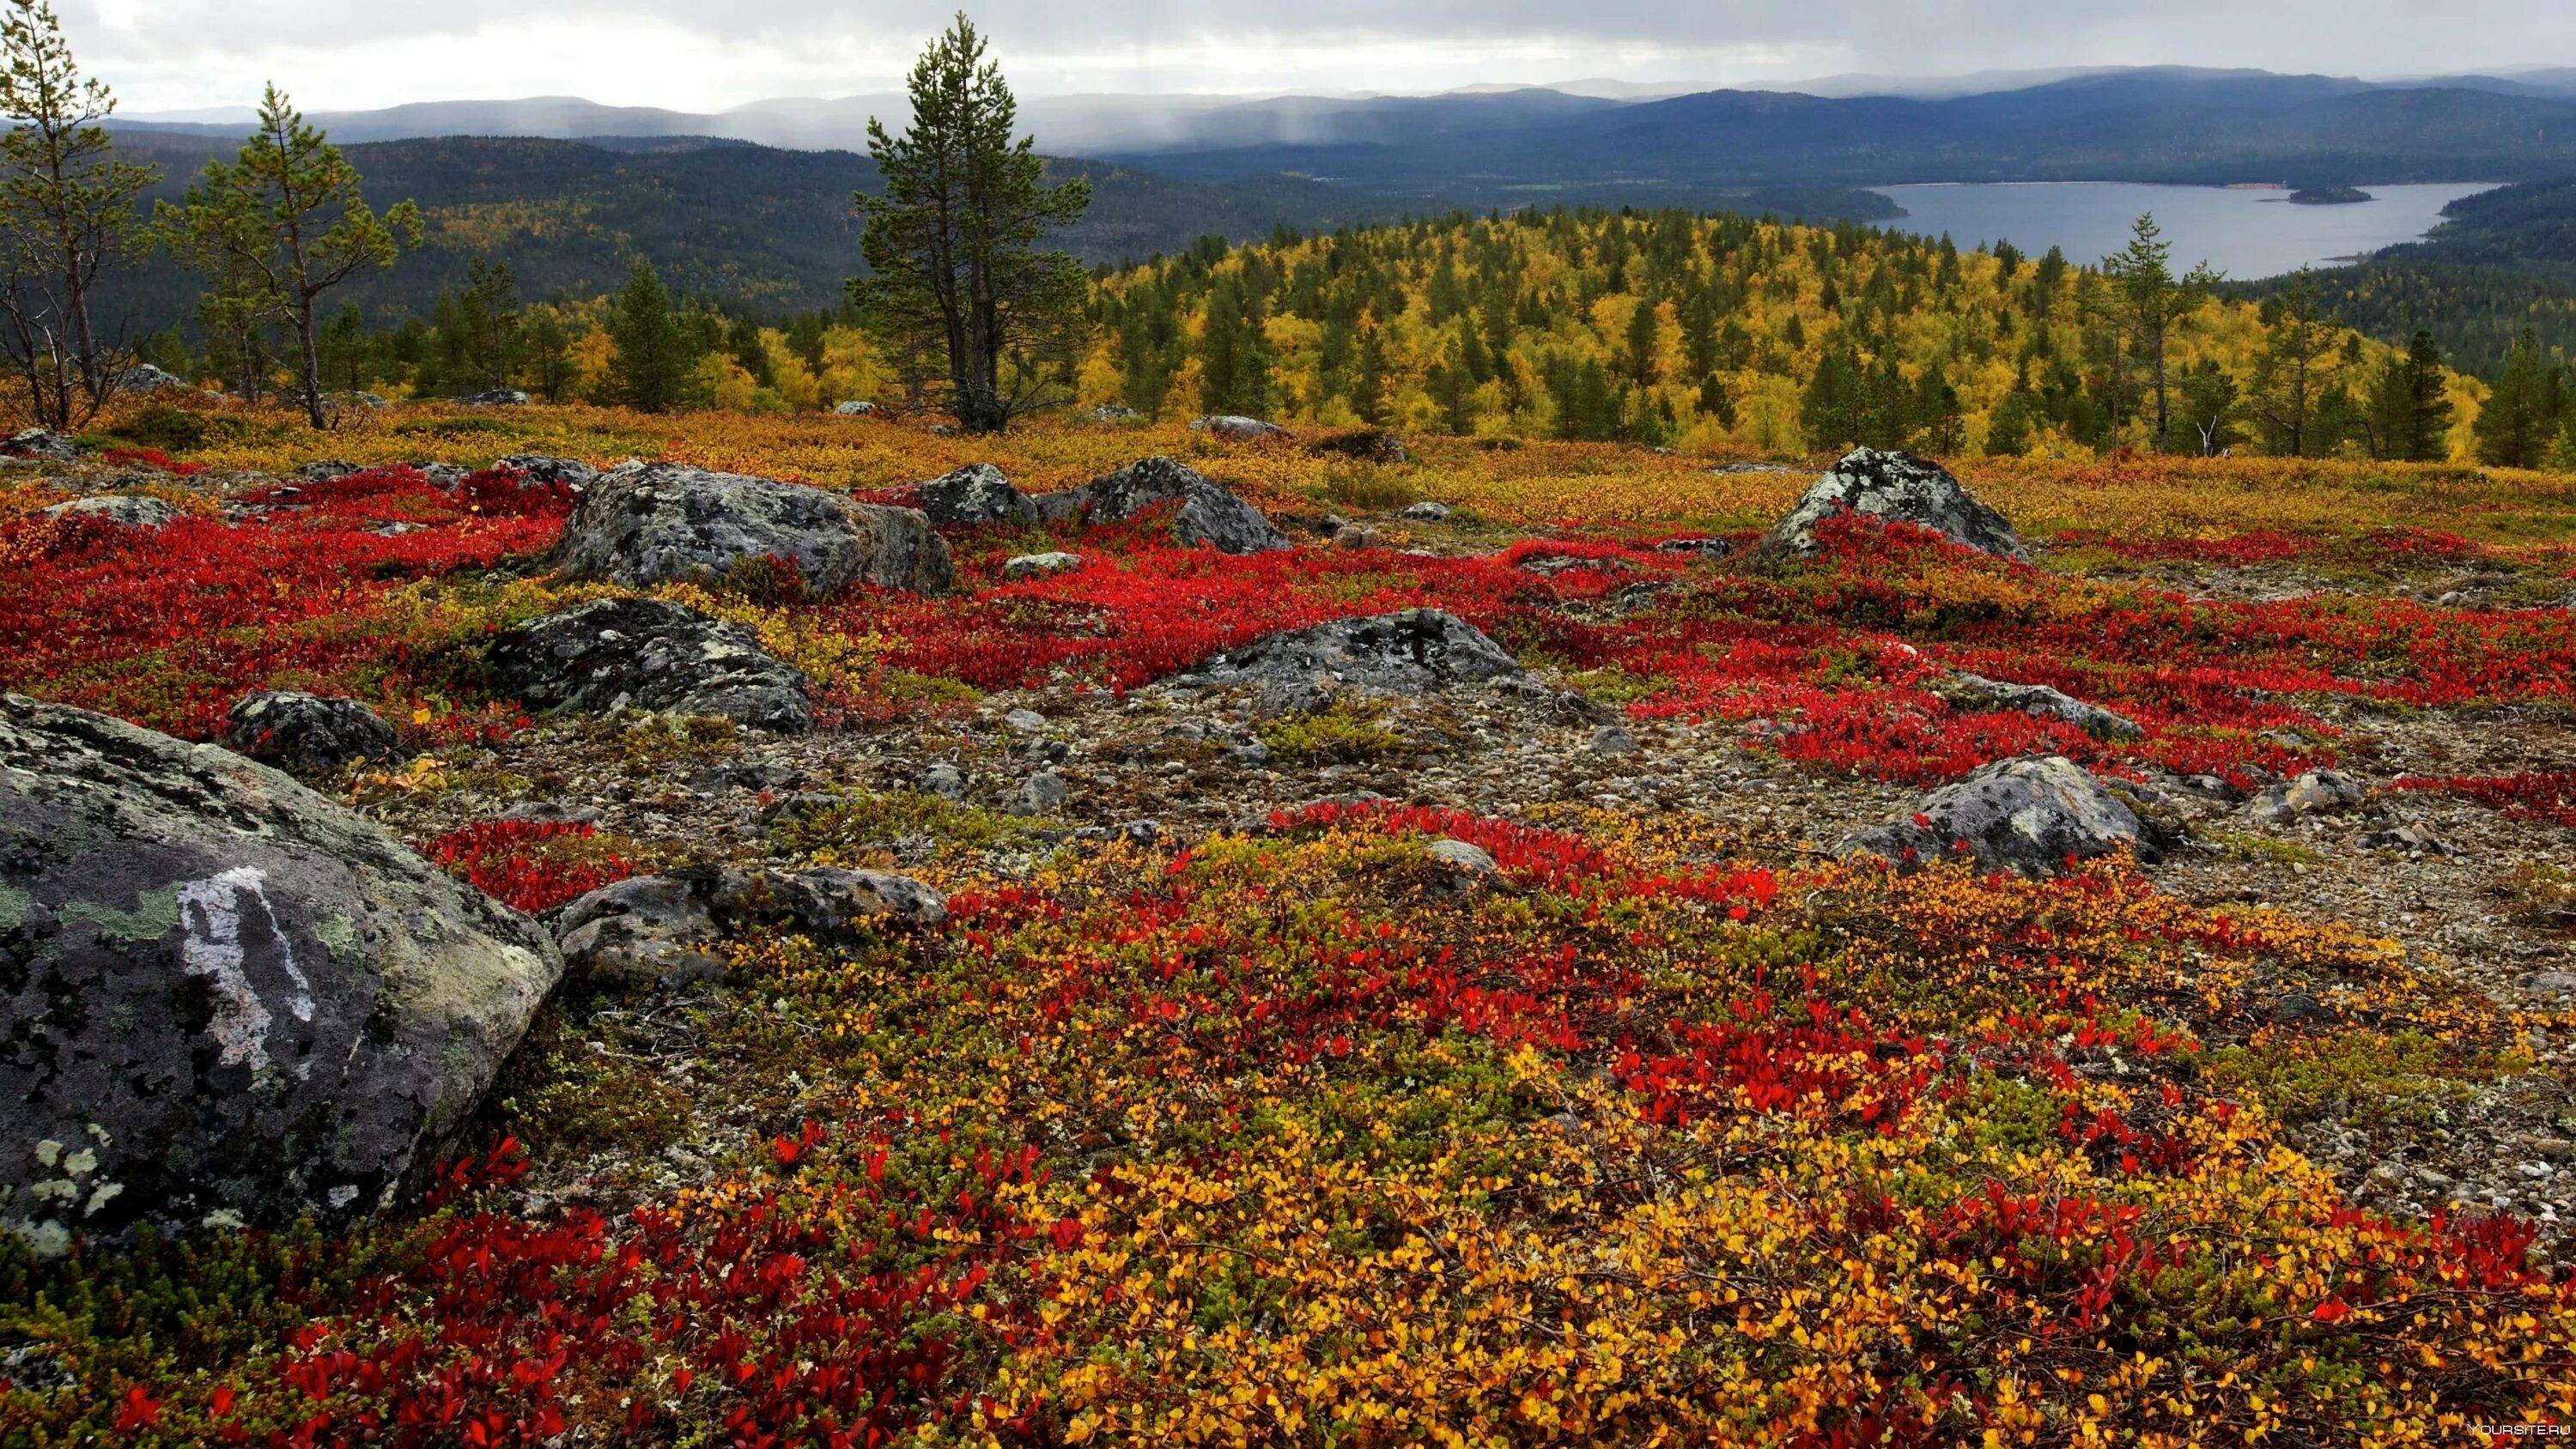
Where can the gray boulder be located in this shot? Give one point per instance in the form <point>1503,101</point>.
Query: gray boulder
<point>37,443</point>
<point>323,470</point>
<point>1206,515</point>
<point>134,510</point>
<point>1975,691</point>
<point>670,522</point>
<point>855,408</point>
<point>1427,511</point>
<point>1109,414</point>
<point>297,731</point>
<point>1417,651</point>
<point>224,999</point>
<point>2026,815</point>
<point>976,493</point>
<point>665,930</point>
<point>649,654</point>
<point>1225,425</point>
<point>540,468</point>
<point>145,377</point>
<point>499,397</point>
<point>1896,487</point>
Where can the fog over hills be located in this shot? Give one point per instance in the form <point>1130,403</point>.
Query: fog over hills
<point>1976,111</point>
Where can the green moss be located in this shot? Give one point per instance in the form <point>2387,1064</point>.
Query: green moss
<point>338,935</point>
<point>1342,733</point>
<point>14,905</point>
<point>155,915</point>
<point>862,822</point>
<point>1369,487</point>
<point>2358,1075</point>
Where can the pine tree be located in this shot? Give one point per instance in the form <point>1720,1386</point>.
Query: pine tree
<point>2008,427</point>
<point>2515,425</point>
<point>550,370</point>
<point>287,219</point>
<point>648,371</point>
<point>348,354</point>
<point>67,215</point>
<point>2293,370</point>
<point>2210,409</point>
<point>952,244</point>
<point>2147,302</point>
<point>1642,337</point>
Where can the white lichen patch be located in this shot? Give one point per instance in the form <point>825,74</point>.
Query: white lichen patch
<point>212,910</point>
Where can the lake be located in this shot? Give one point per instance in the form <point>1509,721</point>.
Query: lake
<point>2245,234</point>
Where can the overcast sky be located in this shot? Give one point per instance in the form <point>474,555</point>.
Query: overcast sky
<point>709,54</point>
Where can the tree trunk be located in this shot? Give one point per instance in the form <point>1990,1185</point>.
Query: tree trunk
<point>309,362</point>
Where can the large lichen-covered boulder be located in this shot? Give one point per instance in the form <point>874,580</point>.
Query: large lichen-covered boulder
<point>1206,514</point>
<point>225,999</point>
<point>1417,651</point>
<point>670,523</point>
<point>612,654</point>
<point>2032,816</point>
<point>1897,487</point>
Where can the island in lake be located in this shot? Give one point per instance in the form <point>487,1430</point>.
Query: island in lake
<point>2328,196</point>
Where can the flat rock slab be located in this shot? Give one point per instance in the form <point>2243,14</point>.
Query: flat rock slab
<point>1203,513</point>
<point>1417,651</point>
<point>665,930</point>
<point>224,999</point>
<point>670,523</point>
<point>1897,487</point>
<point>2027,815</point>
<point>651,654</point>
<point>1975,691</point>
<point>134,510</point>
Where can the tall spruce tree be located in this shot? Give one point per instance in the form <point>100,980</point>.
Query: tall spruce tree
<point>649,369</point>
<point>284,224</point>
<point>2146,302</point>
<point>67,215</point>
<point>951,245</point>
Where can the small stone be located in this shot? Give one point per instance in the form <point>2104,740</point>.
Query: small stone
<point>1427,511</point>
<point>1038,565</point>
<point>854,408</point>
<point>1356,536</point>
<point>1026,721</point>
<point>1611,740</point>
<point>1460,855</point>
<point>1041,794</point>
<point>1250,752</point>
<point>1231,426</point>
<point>943,780</point>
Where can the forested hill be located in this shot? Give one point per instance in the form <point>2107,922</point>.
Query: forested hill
<point>1722,334</point>
<point>2504,262</point>
<point>752,227</point>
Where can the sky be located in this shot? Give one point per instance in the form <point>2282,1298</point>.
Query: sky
<point>704,55</point>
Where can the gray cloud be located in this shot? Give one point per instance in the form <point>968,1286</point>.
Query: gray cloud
<point>693,54</point>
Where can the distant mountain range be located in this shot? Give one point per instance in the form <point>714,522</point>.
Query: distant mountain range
<point>2150,123</point>
<point>570,191</point>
